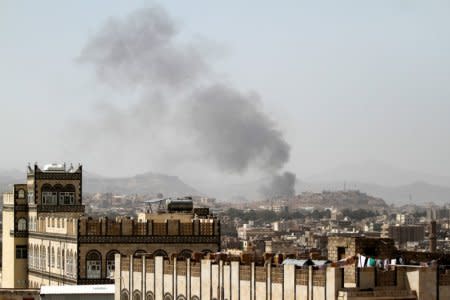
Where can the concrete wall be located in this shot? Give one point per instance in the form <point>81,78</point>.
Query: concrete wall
<point>230,280</point>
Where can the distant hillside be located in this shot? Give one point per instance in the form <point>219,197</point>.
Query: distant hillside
<point>10,177</point>
<point>376,173</point>
<point>419,193</point>
<point>338,199</point>
<point>148,183</point>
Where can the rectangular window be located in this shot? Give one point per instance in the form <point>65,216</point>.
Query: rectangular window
<point>340,253</point>
<point>49,198</point>
<point>30,197</point>
<point>67,198</point>
<point>110,268</point>
<point>93,269</point>
<point>21,251</point>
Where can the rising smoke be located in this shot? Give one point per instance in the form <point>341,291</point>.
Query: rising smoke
<point>142,53</point>
<point>280,186</point>
<point>231,128</point>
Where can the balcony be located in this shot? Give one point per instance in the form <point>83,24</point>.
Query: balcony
<point>16,233</point>
<point>60,208</point>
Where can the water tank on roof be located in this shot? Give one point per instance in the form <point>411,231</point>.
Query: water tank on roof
<point>54,168</point>
<point>179,205</point>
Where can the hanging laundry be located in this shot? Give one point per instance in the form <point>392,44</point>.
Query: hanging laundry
<point>379,263</point>
<point>371,262</point>
<point>362,261</point>
<point>386,264</point>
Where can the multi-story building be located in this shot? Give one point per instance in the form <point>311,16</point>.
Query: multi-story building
<point>405,219</point>
<point>403,233</point>
<point>47,239</point>
<point>273,277</point>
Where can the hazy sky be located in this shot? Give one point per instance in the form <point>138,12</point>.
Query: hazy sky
<point>342,81</point>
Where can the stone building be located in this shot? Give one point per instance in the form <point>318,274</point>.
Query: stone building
<point>47,239</point>
<point>402,234</point>
<point>340,247</point>
<point>223,278</point>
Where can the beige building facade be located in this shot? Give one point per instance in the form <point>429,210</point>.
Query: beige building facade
<point>48,239</point>
<point>220,279</point>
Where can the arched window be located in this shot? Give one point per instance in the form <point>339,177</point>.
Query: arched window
<point>93,264</point>
<point>206,251</point>
<point>67,195</point>
<point>70,263</point>
<point>160,252</point>
<point>195,298</point>
<point>43,258</point>
<point>47,262</point>
<point>22,224</point>
<point>30,255</point>
<point>21,194</point>
<point>49,195</point>
<point>58,258</point>
<point>62,259</point>
<point>53,258</point>
<point>168,296</point>
<point>181,297</point>
<point>36,257</point>
<point>185,254</point>
<point>74,264</point>
<point>124,295</point>
<point>138,253</point>
<point>110,263</point>
<point>149,296</point>
<point>137,295</point>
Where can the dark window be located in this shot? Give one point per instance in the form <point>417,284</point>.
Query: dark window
<point>340,253</point>
<point>149,296</point>
<point>21,251</point>
<point>110,263</point>
<point>93,264</point>
<point>137,295</point>
<point>124,295</point>
<point>370,251</point>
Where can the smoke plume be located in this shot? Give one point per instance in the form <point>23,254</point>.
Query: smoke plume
<point>231,128</point>
<point>142,53</point>
<point>280,186</point>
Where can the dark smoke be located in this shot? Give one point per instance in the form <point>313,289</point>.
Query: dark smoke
<point>141,53</point>
<point>232,130</point>
<point>281,186</point>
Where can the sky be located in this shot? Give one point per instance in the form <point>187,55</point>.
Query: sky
<point>336,82</point>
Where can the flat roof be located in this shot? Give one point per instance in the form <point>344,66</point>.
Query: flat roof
<point>77,289</point>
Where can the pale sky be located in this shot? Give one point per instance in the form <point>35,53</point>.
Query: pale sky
<point>344,81</point>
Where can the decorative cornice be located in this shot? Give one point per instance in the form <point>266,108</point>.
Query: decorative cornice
<point>52,236</point>
<point>95,281</point>
<point>19,234</point>
<point>8,207</point>
<point>153,239</point>
<point>47,274</point>
<point>61,208</point>
<point>57,176</point>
